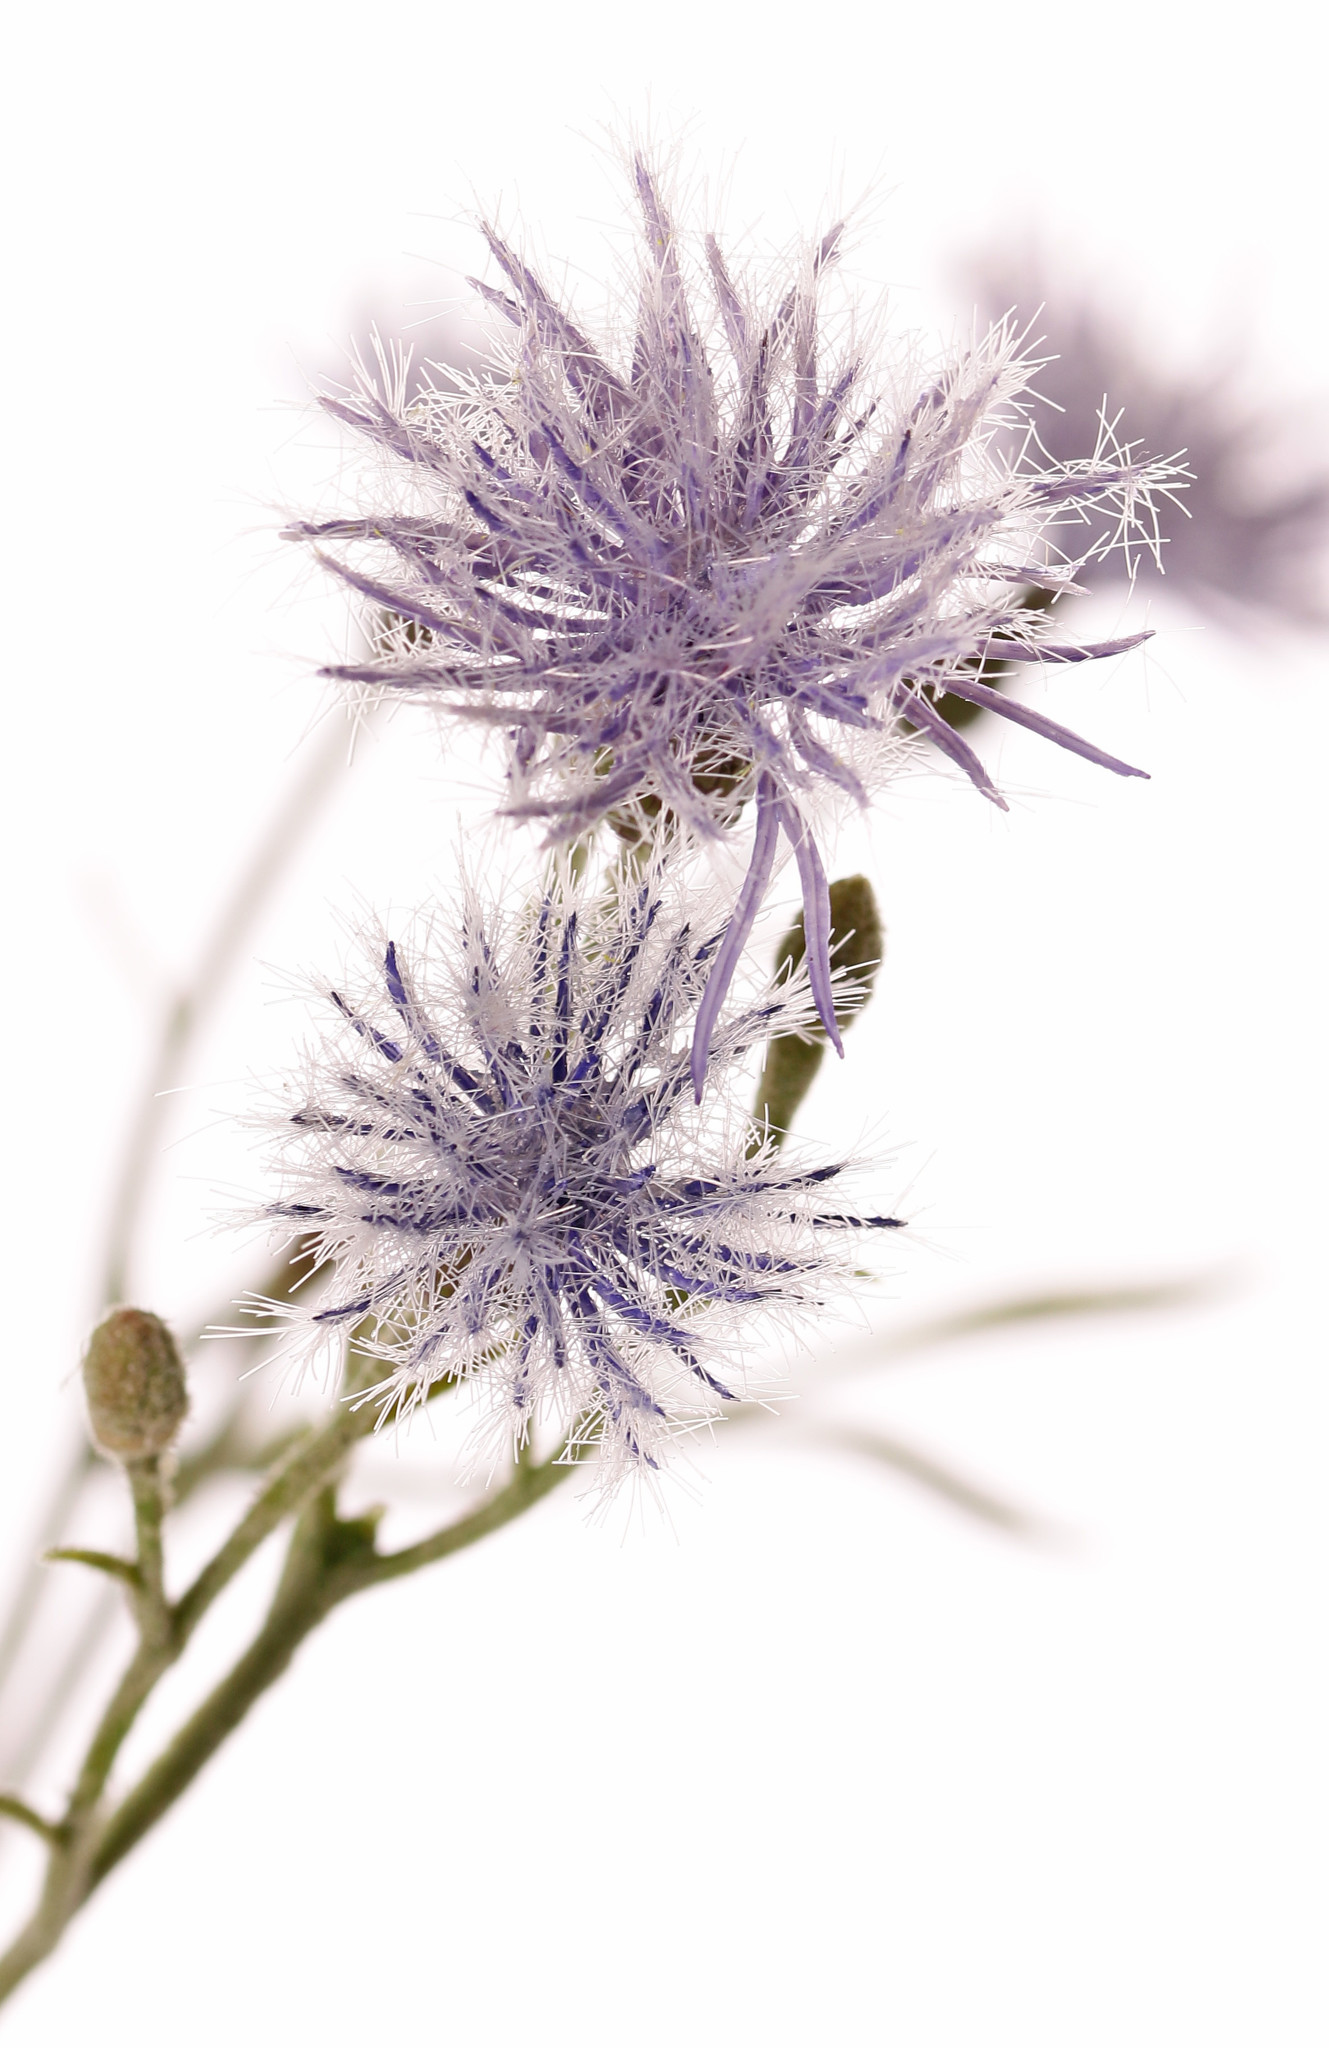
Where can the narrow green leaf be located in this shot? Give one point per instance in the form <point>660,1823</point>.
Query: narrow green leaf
<point>19,1810</point>
<point>957,1490</point>
<point>99,1561</point>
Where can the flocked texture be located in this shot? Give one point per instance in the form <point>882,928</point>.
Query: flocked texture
<point>498,1148</point>
<point>1251,535</point>
<point>712,572</point>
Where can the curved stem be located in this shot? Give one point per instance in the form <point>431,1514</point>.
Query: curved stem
<point>328,1561</point>
<point>529,1484</point>
<point>147,1485</point>
<point>61,1897</point>
<point>46,1713</point>
<point>192,1005</point>
<point>307,1467</point>
<point>316,1579</point>
<point>179,1028</point>
<point>67,1491</point>
<point>300,1603</point>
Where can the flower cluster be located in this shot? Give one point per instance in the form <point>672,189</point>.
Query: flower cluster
<point>499,1154</point>
<point>714,572</point>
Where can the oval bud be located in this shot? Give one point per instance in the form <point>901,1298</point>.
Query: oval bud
<point>135,1384</point>
<point>857,946</point>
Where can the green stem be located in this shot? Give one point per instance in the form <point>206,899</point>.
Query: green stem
<point>788,1071</point>
<point>305,1469</point>
<point>73,1839</point>
<point>180,1025</point>
<point>147,1485</point>
<point>67,1492</point>
<point>328,1561</point>
<point>62,1894</point>
<point>301,1601</point>
<point>230,1448</point>
<point>529,1484</point>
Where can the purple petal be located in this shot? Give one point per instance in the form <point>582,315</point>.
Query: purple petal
<point>928,719</point>
<point>740,924</point>
<point>816,918</point>
<point>384,594</point>
<point>1062,650</point>
<point>1047,728</point>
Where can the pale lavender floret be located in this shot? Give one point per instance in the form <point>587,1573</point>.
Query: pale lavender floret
<point>719,574</point>
<point>500,1153</point>
<point>1252,535</point>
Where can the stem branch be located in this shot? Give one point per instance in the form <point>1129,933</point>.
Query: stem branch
<point>328,1561</point>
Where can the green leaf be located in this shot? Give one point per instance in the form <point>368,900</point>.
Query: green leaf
<point>99,1561</point>
<point>19,1810</point>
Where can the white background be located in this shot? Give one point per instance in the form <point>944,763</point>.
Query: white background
<point>816,1759</point>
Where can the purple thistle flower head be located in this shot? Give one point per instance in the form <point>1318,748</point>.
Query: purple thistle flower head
<point>715,571</point>
<point>498,1151</point>
<point>1252,535</point>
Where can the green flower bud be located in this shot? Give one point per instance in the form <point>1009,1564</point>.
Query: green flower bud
<point>857,944</point>
<point>135,1385</point>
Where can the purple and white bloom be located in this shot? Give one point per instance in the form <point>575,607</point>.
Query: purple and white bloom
<point>496,1147</point>
<point>1252,535</point>
<point>707,568</point>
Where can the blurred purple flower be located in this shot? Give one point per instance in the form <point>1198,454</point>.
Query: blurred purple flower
<point>1252,535</point>
<point>407,349</point>
<point>498,1151</point>
<point>716,574</point>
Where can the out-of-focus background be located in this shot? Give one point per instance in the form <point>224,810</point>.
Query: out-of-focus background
<point>821,1755</point>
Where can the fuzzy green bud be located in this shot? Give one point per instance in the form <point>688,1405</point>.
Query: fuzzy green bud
<point>857,945</point>
<point>135,1385</point>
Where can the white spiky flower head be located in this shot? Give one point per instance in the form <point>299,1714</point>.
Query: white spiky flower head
<point>497,1148</point>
